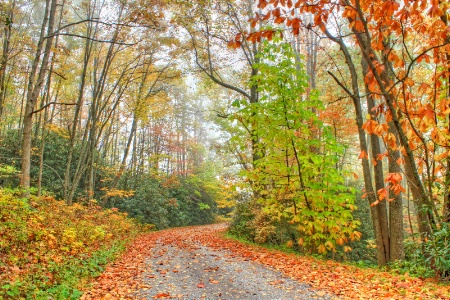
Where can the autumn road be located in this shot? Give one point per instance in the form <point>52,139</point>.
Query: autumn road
<point>200,263</point>
<point>189,270</point>
<point>190,263</point>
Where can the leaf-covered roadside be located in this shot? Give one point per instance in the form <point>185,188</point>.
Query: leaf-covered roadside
<point>347,282</point>
<point>124,277</point>
<point>49,249</point>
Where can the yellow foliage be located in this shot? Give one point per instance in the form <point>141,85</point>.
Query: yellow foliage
<point>39,231</point>
<point>321,249</point>
<point>69,235</point>
<point>289,244</point>
<point>118,193</point>
<point>58,130</point>
<point>347,249</point>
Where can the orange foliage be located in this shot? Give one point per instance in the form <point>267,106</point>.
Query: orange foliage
<point>124,278</point>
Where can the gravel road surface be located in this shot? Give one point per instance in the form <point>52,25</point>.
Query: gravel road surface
<point>193,271</point>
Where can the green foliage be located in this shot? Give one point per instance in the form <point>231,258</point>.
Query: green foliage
<point>363,250</point>
<point>173,201</point>
<point>50,250</point>
<point>428,259</point>
<point>55,161</point>
<point>149,204</point>
<point>415,264</point>
<point>10,158</point>
<point>437,251</point>
<point>296,182</point>
<point>241,225</point>
<point>8,174</point>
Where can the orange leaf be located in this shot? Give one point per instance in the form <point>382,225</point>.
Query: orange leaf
<point>374,203</point>
<point>363,154</point>
<point>161,295</point>
<point>382,194</point>
<point>279,20</point>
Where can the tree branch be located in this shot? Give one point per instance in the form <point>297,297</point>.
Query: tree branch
<point>51,103</point>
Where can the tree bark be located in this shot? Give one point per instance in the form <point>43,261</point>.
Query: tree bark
<point>4,58</point>
<point>369,190</point>
<point>34,88</point>
<point>378,172</point>
<point>395,207</point>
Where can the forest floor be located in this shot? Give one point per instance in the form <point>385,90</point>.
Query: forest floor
<point>200,263</point>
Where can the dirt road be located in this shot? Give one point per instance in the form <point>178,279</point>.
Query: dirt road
<point>179,264</point>
<point>200,263</point>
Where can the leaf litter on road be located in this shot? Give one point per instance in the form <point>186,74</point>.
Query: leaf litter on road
<point>129,277</point>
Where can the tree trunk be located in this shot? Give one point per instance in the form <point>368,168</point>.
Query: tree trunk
<point>369,191</point>
<point>34,88</point>
<point>395,207</point>
<point>382,78</point>
<point>124,158</point>
<point>4,58</point>
<point>68,180</point>
<point>446,206</point>
<point>378,172</point>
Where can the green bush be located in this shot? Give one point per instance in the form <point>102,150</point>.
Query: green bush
<point>241,225</point>
<point>437,251</point>
<point>428,259</point>
<point>171,201</point>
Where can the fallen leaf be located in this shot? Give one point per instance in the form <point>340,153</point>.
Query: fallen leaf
<point>201,285</point>
<point>275,282</point>
<point>161,295</point>
<point>15,269</point>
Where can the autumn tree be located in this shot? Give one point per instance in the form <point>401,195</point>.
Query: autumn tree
<point>396,48</point>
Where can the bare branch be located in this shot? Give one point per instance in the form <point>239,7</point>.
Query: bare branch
<point>52,103</point>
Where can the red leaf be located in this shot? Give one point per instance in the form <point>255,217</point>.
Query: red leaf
<point>161,295</point>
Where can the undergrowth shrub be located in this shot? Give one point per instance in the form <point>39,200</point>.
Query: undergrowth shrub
<point>428,259</point>
<point>48,250</point>
<point>172,201</point>
<point>241,225</point>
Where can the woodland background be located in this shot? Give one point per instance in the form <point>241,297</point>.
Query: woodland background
<point>299,120</point>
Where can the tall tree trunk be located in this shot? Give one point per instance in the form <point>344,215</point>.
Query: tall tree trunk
<point>382,78</point>
<point>4,59</point>
<point>34,88</point>
<point>369,190</point>
<point>378,172</point>
<point>45,103</point>
<point>395,207</point>
<point>124,158</point>
<point>446,206</point>
<point>68,182</point>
